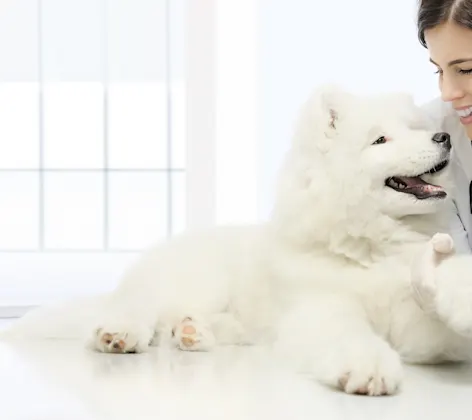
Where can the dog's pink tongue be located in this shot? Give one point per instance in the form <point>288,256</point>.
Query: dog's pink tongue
<point>418,183</point>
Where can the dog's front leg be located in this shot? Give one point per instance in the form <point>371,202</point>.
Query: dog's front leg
<point>330,337</point>
<point>423,271</point>
<point>442,284</point>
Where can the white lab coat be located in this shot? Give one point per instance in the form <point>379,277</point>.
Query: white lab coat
<point>461,166</point>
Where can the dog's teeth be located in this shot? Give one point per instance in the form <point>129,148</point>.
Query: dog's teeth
<point>395,184</point>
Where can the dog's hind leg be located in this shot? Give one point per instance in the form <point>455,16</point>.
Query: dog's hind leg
<point>126,323</point>
<point>202,333</point>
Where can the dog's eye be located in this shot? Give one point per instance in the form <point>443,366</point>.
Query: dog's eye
<point>380,140</point>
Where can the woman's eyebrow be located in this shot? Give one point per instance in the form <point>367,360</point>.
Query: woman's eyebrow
<point>453,62</point>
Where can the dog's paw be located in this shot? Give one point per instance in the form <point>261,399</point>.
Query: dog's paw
<point>374,373</point>
<point>423,271</point>
<point>442,243</point>
<point>193,335</point>
<point>121,339</point>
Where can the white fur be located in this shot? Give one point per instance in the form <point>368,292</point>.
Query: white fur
<point>328,277</point>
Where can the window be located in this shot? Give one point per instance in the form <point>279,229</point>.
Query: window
<point>92,141</point>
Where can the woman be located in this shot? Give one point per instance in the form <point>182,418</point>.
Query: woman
<point>445,29</point>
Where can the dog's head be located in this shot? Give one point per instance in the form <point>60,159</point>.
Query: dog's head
<point>356,159</point>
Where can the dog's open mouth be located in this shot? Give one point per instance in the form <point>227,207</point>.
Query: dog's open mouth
<point>416,186</point>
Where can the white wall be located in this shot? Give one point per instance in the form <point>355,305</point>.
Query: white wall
<point>366,45</point>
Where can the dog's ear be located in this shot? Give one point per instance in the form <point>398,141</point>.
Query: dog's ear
<point>333,99</point>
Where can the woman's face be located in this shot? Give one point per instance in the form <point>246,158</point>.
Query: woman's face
<point>450,49</point>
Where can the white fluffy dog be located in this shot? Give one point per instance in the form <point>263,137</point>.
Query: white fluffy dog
<point>328,278</point>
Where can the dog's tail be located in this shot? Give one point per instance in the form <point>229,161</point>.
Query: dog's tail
<point>74,319</point>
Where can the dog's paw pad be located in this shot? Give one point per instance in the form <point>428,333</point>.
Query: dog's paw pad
<point>191,335</point>
<point>372,386</point>
<point>121,340</point>
<point>115,342</point>
<point>442,243</point>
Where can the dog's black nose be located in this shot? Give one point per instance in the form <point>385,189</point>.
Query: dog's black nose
<point>443,138</point>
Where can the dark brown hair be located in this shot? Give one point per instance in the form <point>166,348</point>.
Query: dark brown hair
<point>432,13</point>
